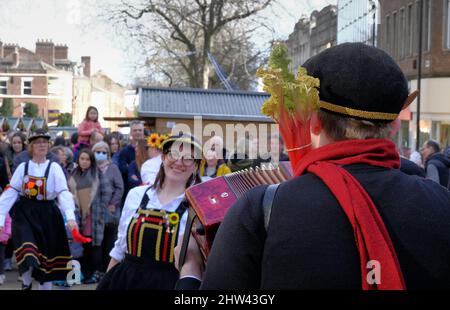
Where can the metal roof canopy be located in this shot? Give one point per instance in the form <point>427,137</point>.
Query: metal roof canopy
<point>212,104</point>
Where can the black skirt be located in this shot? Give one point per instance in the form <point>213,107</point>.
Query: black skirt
<point>136,273</point>
<point>40,240</point>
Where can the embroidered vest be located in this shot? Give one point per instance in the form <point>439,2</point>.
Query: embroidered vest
<point>152,234</point>
<point>35,188</point>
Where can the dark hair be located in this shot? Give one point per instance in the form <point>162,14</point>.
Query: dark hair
<point>92,168</point>
<point>89,110</point>
<point>22,138</point>
<point>74,138</point>
<point>434,145</point>
<point>59,140</point>
<point>161,176</point>
<point>108,139</point>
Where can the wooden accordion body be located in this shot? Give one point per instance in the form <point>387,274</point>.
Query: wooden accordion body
<point>209,201</point>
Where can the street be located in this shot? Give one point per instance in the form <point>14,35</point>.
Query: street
<point>12,283</point>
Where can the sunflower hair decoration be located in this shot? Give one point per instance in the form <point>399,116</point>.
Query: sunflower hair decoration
<point>161,139</point>
<point>155,140</point>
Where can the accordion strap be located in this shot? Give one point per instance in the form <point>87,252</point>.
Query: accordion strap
<point>269,196</point>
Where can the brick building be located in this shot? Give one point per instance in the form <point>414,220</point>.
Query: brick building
<point>43,77</point>
<point>56,84</point>
<point>398,35</point>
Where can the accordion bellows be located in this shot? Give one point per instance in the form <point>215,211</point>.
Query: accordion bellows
<point>211,200</point>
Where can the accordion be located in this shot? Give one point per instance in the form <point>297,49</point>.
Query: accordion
<point>210,201</point>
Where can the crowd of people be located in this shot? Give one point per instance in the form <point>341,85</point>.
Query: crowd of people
<point>99,172</point>
<point>129,199</point>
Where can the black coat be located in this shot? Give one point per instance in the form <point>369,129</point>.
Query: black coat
<point>442,164</point>
<point>310,242</point>
<point>411,168</point>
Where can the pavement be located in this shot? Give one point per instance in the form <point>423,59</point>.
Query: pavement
<point>12,283</point>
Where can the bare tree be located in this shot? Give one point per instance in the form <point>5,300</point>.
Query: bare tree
<point>176,36</point>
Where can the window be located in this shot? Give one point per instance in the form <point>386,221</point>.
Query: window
<point>26,86</point>
<point>3,86</point>
<point>447,23</point>
<point>388,34</point>
<point>394,45</point>
<point>401,35</point>
<point>409,30</point>
<point>426,25</point>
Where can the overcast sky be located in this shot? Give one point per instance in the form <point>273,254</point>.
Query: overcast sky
<point>63,21</point>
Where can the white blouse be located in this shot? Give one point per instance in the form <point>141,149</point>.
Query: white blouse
<point>56,188</point>
<point>150,169</point>
<point>132,203</point>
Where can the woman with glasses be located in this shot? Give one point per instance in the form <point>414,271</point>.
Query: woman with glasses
<point>153,221</point>
<point>113,195</point>
<point>39,235</point>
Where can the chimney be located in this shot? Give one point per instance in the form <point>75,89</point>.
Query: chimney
<point>16,57</point>
<point>1,49</point>
<point>86,60</point>
<point>45,50</point>
<point>8,49</point>
<point>61,52</point>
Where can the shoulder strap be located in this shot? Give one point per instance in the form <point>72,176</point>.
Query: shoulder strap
<point>145,200</point>
<point>182,208</point>
<point>269,196</point>
<point>25,171</point>
<point>47,170</point>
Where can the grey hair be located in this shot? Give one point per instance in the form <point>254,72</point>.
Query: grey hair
<point>101,144</point>
<point>135,122</point>
<point>69,154</point>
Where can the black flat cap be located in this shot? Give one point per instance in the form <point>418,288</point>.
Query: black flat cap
<point>39,133</point>
<point>359,81</point>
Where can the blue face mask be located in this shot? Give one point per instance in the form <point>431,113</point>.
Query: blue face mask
<point>101,156</point>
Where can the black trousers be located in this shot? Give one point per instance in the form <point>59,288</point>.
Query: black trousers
<point>9,249</point>
<point>91,260</point>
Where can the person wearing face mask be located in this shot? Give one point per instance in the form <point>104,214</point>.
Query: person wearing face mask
<point>113,194</point>
<point>89,190</point>
<point>153,222</point>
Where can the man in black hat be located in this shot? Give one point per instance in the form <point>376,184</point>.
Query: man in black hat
<point>350,219</point>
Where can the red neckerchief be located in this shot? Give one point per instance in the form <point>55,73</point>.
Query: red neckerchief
<point>371,235</point>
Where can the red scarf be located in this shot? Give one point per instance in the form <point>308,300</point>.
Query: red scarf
<point>372,237</point>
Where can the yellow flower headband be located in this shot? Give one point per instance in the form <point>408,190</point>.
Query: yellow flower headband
<point>155,140</point>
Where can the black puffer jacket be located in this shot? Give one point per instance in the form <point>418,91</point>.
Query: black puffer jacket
<point>442,164</point>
